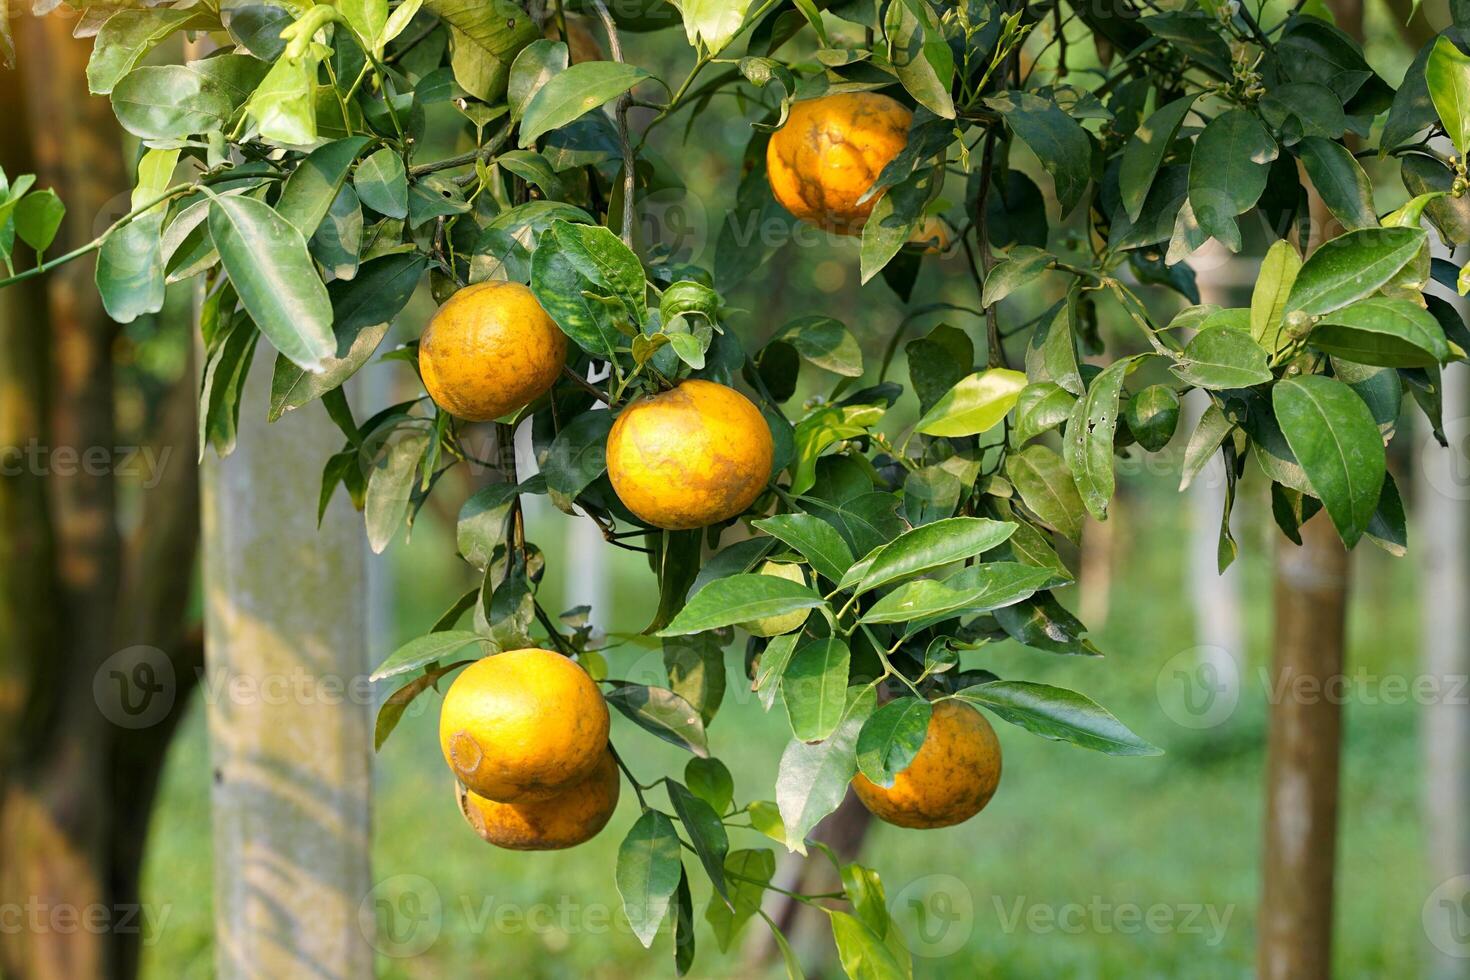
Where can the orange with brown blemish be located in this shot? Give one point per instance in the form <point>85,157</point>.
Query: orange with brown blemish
<point>523,725</point>
<point>489,351</point>
<point>565,820</point>
<point>689,457</point>
<point>953,776</point>
<point>829,152</point>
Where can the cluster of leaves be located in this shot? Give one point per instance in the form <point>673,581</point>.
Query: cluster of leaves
<point>312,207</point>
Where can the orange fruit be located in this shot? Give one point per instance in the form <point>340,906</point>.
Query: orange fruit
<point>523,725</point>
<point>696,455</point>
<point>953,776</point>
<point>571,817</point>
<point>829,152</point>
<point>489,351</point>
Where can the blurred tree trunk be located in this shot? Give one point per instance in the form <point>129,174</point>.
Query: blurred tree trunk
<point>1444,553</point>
<point>78,771</point>
<point>1304,742</point>
<point>1294,923</point>
<point>291,732</point>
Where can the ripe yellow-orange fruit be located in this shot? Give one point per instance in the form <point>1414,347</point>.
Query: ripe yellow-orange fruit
<point>950,780</point>
<point>523,725</point>
<point>932,234</point>
<point>572,817</point>
<point>689,457</point>
<point>489,351</point>
<point>829,152</point>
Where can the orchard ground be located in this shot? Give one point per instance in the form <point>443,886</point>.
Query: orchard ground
<point>1083,866</point>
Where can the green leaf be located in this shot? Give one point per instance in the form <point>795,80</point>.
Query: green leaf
<point>663,713</point>
<point>1062,146</point>
<point>537,64</point>
<point>1022,266</point>
<point>863,953</point>
<point>825,342</point>
<point>1057,714</point>
<point>1047,489</point>
<point>129,272</point>
<point>390,487</point>
<point>921,56</point>
<point>266,260</point>
<point>710,24</point>
<point>1146,150</point>
<point>937,362</point>
<point>684,924</point>
<point>1340,181</point>
<point>1352,266</point>
<point>1227,172</point>
<point>747,871</point>
<point>38,217</point>
<point>815,687</point>
<point>979,588</point>
<point>166,102</point>
<point>482,523</point>
<point>711,781</point>
<point>895,217</point>
<point>424,650</point>
<point>1448,74</point>
<point>648,872</point>
<point>1386,332</point>
<point>814,538</point>
<point>125,38</point>
<point>382,183</point>
<point>1333,436</point>
<point>812,778</point>
<point>706,833</point>
<point>1087,444</point>
<point>390,712</point>
<point>696,669</point>
<point>381,289</point>
<point>1211,431</point>
<point>976,404</point>
<point>284,104</point>
<point>1043,623</point>
<point>486,36</point>
<point>574,92</point>
<point>313,185</point>
<point>891,737</point>
<point>578,455</point>
<point>1268,299</point>
<point>929,547</point>
<point>741,599</point>
<point>1219,358</point>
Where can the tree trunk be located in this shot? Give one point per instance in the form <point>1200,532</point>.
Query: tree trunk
<point>1294,923</point>
<point>1444,550</point>
<point>289,707</point>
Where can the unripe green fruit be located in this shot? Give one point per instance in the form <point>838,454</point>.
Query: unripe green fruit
<point>1298,324</point>
<point>786,622</point>
<point>1152,414</point>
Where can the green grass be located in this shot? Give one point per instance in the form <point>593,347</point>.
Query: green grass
<point>1070,833</point>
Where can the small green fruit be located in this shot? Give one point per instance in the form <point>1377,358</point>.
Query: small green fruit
<point>1152,415</point>
<point>786,622</point>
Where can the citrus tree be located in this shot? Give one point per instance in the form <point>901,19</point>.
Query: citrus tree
<point>868,541</point>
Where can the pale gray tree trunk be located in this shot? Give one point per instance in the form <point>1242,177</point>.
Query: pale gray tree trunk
<point>1443,515</point>
<point>289,716</point>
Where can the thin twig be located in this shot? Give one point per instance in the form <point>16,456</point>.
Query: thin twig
<point>615,45</point>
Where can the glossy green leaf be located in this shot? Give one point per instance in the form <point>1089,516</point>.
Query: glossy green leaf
<point>812,779</point>
<point>1063,146</point>
<point>814,538</point>
<point>382,183</point>
<point>312,187</point>
<point>162,102</point>
<point>976,404</point>
<point>126,37</point>
<point>741,599</point>
<point>1333,436</point>
<point>1268,298</point>
<point>1087,444</point>
<point>1340,181</point>
<point>926,548</point>
<point>1220,358</point>
<point>1352,266</point>
<point>661,712</point>
<point>574,92</point>
<point>814,686</point>
<point>891,737</point>
<point>266,260</point>
<point>706,833</point>
<point>1047,489</point>
<point>1447,73</point>
<point>1146,150</point>
<point>648,872</point>
<point>424,650</point>
<point>1386,332</point>
<point>1058,714</point>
